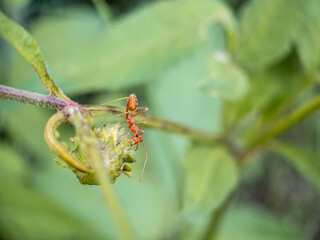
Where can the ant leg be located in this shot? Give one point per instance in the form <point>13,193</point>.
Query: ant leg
<point>138,113</point>
<point>129,131</point>
<point>124,113</point>
<point>144,124</point>
<point>118,99</point>
<point>145,162</point>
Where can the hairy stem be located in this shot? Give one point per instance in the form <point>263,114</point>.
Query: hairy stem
<point>31,98</point>
<point>89,146</point>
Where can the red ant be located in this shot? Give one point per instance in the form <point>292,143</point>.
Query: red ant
<point>132,106</point>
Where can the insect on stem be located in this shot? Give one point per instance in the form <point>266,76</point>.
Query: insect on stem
<point>132,106</point>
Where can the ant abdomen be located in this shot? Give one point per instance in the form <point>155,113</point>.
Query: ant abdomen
<point>132,102</point>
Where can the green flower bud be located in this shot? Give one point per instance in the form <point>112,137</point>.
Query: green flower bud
<point>114,149</point>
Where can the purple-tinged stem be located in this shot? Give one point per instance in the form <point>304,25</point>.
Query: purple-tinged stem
<point>31,98</point>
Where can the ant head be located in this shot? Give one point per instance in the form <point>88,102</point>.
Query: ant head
<point>137,138</point>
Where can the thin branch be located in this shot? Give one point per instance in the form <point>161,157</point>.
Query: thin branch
<point>157,123</point>
<point>31,98</point>
<point>287,122</point>
<point>216,219</point>
<point>152,121</point>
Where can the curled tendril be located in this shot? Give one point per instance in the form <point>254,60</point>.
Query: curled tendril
<point>114,149</point>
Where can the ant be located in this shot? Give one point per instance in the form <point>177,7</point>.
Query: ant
<point>132,106</point>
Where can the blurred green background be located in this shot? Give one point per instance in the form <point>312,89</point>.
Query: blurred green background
<point>231,68</point>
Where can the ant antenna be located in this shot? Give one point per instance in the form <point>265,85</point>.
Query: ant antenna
<point>115,100</point>
<point>145,162</point>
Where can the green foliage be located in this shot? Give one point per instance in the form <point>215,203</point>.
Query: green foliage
<point>21,41</point>
<point>22,203</point>
<point>266,33</point>
<point>211,174</point>
<point>190,62</point>
<point>119,56</point>
<point>13,168</point>
<point>306,161</point>
<point>225,79</point>
<point>308,37</point>
<point>251,223</point>
<point>24,43</point>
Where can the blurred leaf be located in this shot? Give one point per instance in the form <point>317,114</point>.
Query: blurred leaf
<point>266,99</point>
<point>225,78</point>
<point>266,33</point>
<point>16,5</point>
<point>12,167</point>
<point>308,37</point>
<point>26,126</point>
<point>132,51</point>
<point>174,94</point>
<point>211,175</point>
<point>306,161</point>
<point>26,214</point>
<point>249,223</point>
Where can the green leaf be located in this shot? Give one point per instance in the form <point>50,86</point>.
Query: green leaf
<point>135,49</point>
<point>178,85</point>
<point>308,37</point>
<point>306,161</point>
<point>23,42</point>
<point>27,214</point>
<point>12,167</point>
<point>15,6</point>
<point>250,223</point>
<point>266,31</point>
<point>225,78</point>
<point>265,99</point>
<point>211,175</point>
<point>26,126</point>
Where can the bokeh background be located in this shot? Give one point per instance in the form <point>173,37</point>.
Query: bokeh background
<point>227,68</point>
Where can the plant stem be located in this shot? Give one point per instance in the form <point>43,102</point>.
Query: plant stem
<point>31,98</point>
<point>89,147</point>
<point>287,122</point>
<point>155,122</point>
<point>216,219</point>
<point>152,121</point>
